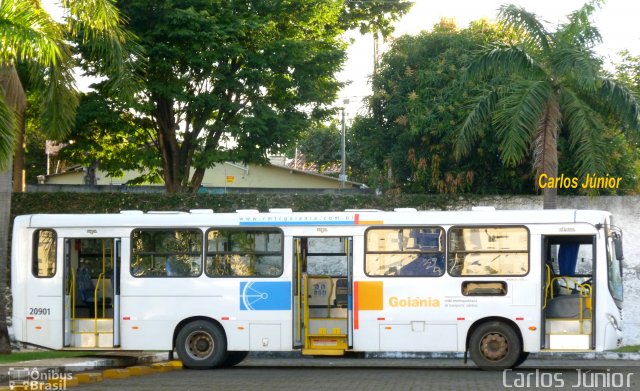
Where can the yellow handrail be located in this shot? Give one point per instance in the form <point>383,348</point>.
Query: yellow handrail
<point>73,299</point>
<point>582,288</point>
<point>584,291</point>
<point>547,286</point>
<point>104,271</point>
<point>305,309</point>
<point>300,292</point>
<point>95,306</point>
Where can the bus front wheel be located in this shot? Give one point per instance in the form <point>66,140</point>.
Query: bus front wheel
<point>234,358</point>
<point>495,346</point>
<point>201,344</point>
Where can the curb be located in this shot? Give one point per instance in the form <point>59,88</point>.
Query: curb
<point>80,368</point>
<point>459,355</point>
<point>69,380</point>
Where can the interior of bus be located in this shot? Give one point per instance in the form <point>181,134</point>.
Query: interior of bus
<point>90,298</point>
<point>321,313</point>
<point>568,305</point>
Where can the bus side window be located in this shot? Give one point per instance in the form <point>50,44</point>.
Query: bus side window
<point>44,253</point>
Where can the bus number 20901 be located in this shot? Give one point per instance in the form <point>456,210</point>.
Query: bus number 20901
<point>39,311</point>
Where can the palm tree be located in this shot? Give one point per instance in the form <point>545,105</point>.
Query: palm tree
<point>14,101</point>
<point>544,82</point>
<point>29,34</point>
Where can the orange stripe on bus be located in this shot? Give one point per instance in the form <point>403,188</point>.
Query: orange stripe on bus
<point>356,323</point>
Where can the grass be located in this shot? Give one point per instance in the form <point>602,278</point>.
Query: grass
<point>28,356</point>
<point>629,349</point>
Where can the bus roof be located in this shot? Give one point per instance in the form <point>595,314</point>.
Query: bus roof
<point>285,217</point>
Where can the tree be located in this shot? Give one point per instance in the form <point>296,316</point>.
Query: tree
<point>321,144</point>
<point>12,103</point>
<point>230,80</point>
<point>373,16</point>
<point>404,142</point>
<point>108,136</point>
<point>29,35</point>
<point>542,83</point>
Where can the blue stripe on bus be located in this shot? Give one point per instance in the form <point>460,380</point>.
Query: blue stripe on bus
<point>265,295</point>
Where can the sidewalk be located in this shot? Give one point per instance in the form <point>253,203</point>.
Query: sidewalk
<point>84,363</point>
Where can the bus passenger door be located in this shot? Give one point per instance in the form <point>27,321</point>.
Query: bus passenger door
<point>322,294</point>
<point>68,289</point>
<point>569,292</point>
<point>115,280</point>
<point>90,285</point>
<point>299,260</point>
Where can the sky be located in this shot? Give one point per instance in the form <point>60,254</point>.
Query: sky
<point>617,20</point>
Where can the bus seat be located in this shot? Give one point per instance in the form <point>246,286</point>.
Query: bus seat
<point>568,307</point>
<point>424,265</point>
<point>342,292</point>
<point>86,288</point>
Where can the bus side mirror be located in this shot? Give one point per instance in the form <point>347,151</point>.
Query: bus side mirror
<point>617,244</point>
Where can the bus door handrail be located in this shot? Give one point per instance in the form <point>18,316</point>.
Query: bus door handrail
<point>73,299</point>
<point>299,282</point>
<point>305,309</point>
<point>585,296</point>
<point>95,303</point>
<point>547,286</point>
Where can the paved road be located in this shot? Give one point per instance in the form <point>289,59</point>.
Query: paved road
<point>381,374</point>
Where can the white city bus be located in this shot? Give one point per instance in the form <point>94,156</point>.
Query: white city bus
<point>215,286</point>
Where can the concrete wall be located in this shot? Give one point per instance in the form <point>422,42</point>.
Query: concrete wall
<point>267,176</point>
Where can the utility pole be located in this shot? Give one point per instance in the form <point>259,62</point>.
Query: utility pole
<point>343,166</point>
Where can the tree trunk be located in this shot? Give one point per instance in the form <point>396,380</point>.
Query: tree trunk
<point>166,130</point>
<point>5,210</point>
<point>545,151</point>
<point>550,197</point>
<point>15,97</point>
<point>19,173</point>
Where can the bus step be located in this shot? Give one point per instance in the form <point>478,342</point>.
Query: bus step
<point>329,342</point>
<point>323,352</point>
<point>89,340</point>
<point>568,326</point>
<point>568,341</point>
<point>82,325</point>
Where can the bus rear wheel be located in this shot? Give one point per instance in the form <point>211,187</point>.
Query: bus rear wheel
<point>201,344</point>
<point>495,346</point>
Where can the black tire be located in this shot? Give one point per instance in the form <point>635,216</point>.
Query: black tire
<point>495,346</point>
<point>234,358</point>
<point>523,357</point>
<point>201,344</point>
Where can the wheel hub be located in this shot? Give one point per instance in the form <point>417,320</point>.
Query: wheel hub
<point>199,345</point>
<point>494,346</point>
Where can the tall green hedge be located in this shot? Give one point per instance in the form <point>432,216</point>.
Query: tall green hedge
<point>28,203</point>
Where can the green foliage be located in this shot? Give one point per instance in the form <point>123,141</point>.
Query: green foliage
<point>105,133</point>
<point>238,78</point>
<point>28,34</point>
<point>321,144</point>
<point>43,355</point>
<point>547,87</point>
<point>373,15</point>
<point>405,141</point>
<point>108,202</point>
<point>628,71</point>
<point>35,153</point>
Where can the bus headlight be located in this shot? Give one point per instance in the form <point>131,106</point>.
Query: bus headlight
<point>614,323</point>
